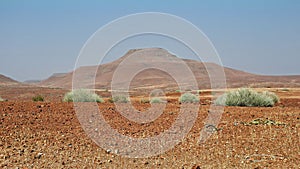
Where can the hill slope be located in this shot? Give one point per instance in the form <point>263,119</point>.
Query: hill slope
<point>154,78</point>
<point>6,80</point>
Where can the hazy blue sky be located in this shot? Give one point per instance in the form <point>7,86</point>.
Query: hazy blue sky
<point>38,38</point>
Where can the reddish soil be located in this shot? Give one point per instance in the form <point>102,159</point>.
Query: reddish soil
<point>49,135</point>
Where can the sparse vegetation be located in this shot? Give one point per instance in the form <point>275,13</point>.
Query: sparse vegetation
<point>247,97</point>
<point>285,89</point>
<point>143,100</point>
<point>188,98</point>
<point>156,100</point>
<point>82,95</point>
<point>38,98</point>
<point>263,122</point>
<point>119,99</point>
<point>1,100</point>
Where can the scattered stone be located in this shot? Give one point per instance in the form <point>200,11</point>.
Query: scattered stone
<point>41,106</point>
<point>39,155</point>
<point>196,167</point>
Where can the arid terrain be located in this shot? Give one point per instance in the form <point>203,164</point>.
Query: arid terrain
<point>48,134</point>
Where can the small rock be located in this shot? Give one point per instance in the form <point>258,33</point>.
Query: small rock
<point>196,167</point>
<point>39,155</point>
<point>40,106</point>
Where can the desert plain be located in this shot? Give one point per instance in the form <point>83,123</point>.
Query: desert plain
<point>48,134</point>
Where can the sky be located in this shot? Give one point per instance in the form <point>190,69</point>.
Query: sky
<point>39,38</point>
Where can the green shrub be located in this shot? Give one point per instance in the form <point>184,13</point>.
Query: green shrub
<point>247,97</point>
<point>274,97</point>
<point>188,98</point>
<point>143,100</point>
<point>82,95</point>
<point>156,100</point>
<point>38,98</point>
<point>119,99</point>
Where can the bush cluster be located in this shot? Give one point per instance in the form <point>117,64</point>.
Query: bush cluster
<point>248,98</point>
<point>82,95</point>
<point>188,98</point>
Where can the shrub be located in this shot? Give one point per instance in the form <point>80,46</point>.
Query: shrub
<point>119,99</point>
<point>82,95</point>
<point>188,98</point>
<point>247,97</point>
<point>272,95</point>
<point>156,100</point>
<point>143,100</point>
<point>38,98</point>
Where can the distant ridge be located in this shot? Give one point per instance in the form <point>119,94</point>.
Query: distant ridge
<point>153,78</point>
<point>4,80</point>
<point>32,81</point>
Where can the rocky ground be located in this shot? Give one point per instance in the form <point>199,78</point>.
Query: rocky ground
<point>49,135</point>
